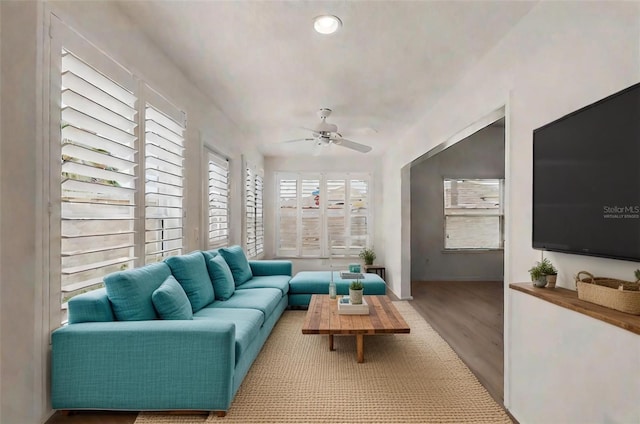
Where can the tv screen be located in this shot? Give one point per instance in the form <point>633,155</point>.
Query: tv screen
<point>586,180</point>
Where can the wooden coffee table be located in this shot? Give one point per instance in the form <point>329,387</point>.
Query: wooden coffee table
<point>323,318</point>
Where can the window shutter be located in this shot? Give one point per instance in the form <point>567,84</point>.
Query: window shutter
<point>259,215</point>
<point>254,223</point>
<point>358,215</point>
<point>288,217</point>
<point>164,146</point>
<point>324,216</point>
<point>336,220</point>
<point>311,229</point>
<point>250,212</point>
<point>98,147</point>
<point>218,198</point>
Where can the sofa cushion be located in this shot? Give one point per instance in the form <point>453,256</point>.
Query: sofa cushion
<point>170,300</point>
<point>317,282</point>
<point>238,263</point>
<point>130,291</point>
<point>191,272</point>
<point>280,282</point>
<point>221,277</point>
<point>264,300</point>
<point>247,322</point>
<point>93,306</point>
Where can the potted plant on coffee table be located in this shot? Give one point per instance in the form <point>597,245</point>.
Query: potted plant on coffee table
<point>355,292</point>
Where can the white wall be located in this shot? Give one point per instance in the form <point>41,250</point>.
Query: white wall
<point>364,163</point>
<point>597,363</point>
<point>23,243</point>
<point>560,57</point>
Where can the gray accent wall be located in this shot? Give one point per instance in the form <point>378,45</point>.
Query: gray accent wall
<point>480,155</point>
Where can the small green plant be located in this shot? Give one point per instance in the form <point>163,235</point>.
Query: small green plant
<point>356,285</point>
<point>637,274</point>
<point>367,255</point>
<point>542,268</point>
<point>547,267</point>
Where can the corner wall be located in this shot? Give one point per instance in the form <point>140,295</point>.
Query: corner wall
<point>560,57</point>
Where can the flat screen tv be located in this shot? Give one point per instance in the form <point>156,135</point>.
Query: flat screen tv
<point>586,180</point>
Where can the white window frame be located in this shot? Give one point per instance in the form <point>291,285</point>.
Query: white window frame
<point>326,247</point>
<point>475,212</point>
<point>219,159</point>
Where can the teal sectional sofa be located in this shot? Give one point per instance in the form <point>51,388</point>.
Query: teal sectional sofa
<point>307,283</point>
<point>176,335</point>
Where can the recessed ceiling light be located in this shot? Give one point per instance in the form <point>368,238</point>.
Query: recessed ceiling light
<point>326,24</point>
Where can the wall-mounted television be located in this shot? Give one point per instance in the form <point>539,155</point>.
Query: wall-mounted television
<point>586,180</point>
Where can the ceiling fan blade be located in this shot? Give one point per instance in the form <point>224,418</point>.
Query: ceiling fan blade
<point>351,144</point>
<point>297,139</point>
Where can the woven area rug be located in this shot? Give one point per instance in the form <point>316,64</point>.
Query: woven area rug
<point>406,378</point>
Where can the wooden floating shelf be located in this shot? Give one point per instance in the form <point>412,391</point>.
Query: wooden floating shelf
<point>569,299</point>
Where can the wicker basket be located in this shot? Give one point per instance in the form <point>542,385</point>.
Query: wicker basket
<point>616,294</point>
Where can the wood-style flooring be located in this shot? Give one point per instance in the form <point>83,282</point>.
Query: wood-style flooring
<point>468,315</point>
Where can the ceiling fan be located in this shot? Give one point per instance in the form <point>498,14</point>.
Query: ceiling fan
<point>325,134</point>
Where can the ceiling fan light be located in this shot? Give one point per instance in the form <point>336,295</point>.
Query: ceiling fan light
<point>326,24</point>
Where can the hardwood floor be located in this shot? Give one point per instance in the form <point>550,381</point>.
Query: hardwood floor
<point>469,316</point>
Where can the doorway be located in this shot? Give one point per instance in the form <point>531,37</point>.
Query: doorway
<point>457,239</point>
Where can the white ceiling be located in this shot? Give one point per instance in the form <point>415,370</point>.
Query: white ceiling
<point>263,64</point>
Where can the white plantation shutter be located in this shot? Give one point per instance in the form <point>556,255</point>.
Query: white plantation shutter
<point>321,216</point>
<point>218,200</point>
<point>358,215</point>
<point>259,215</point>
<point>310,225</point>
<point>97,191</point>
<point>164,146</point>
<point>254,240</point>
<point>287,240</point>
<point>336,219</point>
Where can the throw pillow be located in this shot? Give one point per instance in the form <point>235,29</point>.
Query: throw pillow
<point>221,277</point>
<point>191,272</point>
<point>171,301</point>
<point>238,263</point>
<point>130,291</point>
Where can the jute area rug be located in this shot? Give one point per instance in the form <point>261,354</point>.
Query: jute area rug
<point>406,378</point>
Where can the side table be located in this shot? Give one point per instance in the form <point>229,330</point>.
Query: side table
<point>376,269</point>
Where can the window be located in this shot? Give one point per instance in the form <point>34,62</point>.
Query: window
<point>218,200</point>
<point>254,239</point>
<point>98,184</point>
<point>164,141</point>
<point>323,214</point>
<point>115,174</point>
<point>473,213</point>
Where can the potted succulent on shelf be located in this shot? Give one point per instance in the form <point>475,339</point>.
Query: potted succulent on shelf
<point>367,255</point>
<point>355,292</point>
<point>540,271</point>
<point>550,272</point>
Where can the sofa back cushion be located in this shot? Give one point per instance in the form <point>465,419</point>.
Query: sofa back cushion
<point>238,263</point>
<point>191,272</point>
<point>93,306</point>
<point>170,300</point>
<point>130,291</point>
<point>221,277</point>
